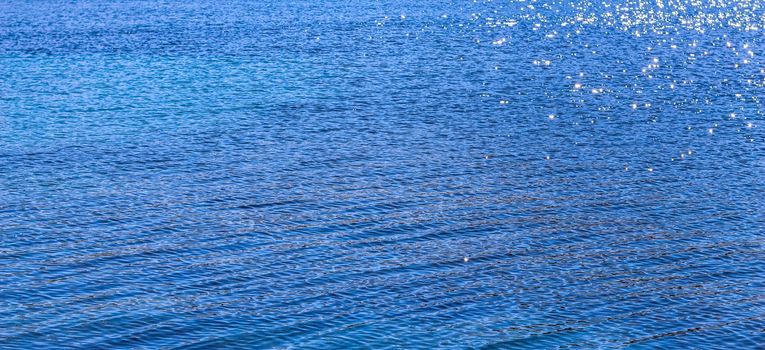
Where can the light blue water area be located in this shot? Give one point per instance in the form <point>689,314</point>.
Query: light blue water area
<point>382,174</point>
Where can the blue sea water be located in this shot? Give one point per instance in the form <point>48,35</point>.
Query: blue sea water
<point>382,174</point>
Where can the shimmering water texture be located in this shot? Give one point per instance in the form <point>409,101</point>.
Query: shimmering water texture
<point>382,174</point>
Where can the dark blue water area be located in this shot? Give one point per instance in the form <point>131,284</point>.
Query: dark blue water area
<point>382,174</point>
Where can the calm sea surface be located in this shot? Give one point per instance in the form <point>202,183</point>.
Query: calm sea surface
<point>382,174</point>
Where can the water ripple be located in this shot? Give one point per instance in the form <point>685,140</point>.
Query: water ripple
<point>320,174</point>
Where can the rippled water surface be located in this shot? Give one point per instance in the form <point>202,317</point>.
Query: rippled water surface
<point>382,174</point>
